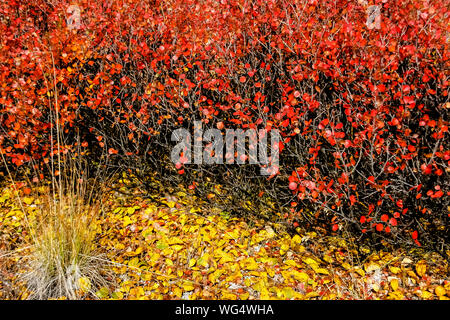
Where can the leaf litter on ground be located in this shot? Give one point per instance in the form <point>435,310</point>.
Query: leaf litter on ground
<point>173,248</point>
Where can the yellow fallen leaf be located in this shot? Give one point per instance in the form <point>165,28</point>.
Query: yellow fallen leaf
<point>137,292</point>
<point>134,262</point>
<point>426,294</point>
<point>154,257</point>
<point>421,268</point>
<point>102,293</point>
<point>284,248</point>
<point>395,270</point>
<point>300,276</point>
<point>291,263</point>
<point>310,261</point>
<point>168,252</point>
<point>28,200</point>
<point>311,294</point>
<point>360,272</point>
<point>412,274</point>
<point>249,264</point>
<point>174,240</point>
<point>396,295</point>
<point>270,272</point>
<point>440,291</point>
<point>394,284</point>
<point>225,257</point>
<point>215,275</point>
<point>288,292</point>
<point>171,204</point>
<point>296,240</point>
<point>169,262</point>
<point>228,296</point>
<point>244,296</point>
<point>84,284</point>
<point>188,287</point>
<point>117,295</point>
<point>203,261</point>
<point>322,271</point>
<point>134,253</point>
<point>371,267</point>
<point>127,221</point>
<point>331,296</point>
<point>346,265</point>
<point>177,247</point>
<point>192,262</point>
<point>178,292</point>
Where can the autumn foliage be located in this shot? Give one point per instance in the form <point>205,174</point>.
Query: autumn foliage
<point>363,112</point>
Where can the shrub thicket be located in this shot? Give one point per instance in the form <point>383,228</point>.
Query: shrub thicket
<point>363,111</point>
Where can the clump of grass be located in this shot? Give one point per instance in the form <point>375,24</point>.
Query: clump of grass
<point>64,260</point>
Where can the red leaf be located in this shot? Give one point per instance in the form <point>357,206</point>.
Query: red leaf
<point>393,222</point>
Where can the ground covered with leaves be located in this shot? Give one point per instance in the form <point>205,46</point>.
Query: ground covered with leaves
<point>171,247</point>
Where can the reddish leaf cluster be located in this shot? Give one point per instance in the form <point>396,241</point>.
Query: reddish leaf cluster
<point>363,111</point>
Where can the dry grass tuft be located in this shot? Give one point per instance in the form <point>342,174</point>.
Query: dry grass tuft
<point>64,260</point>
